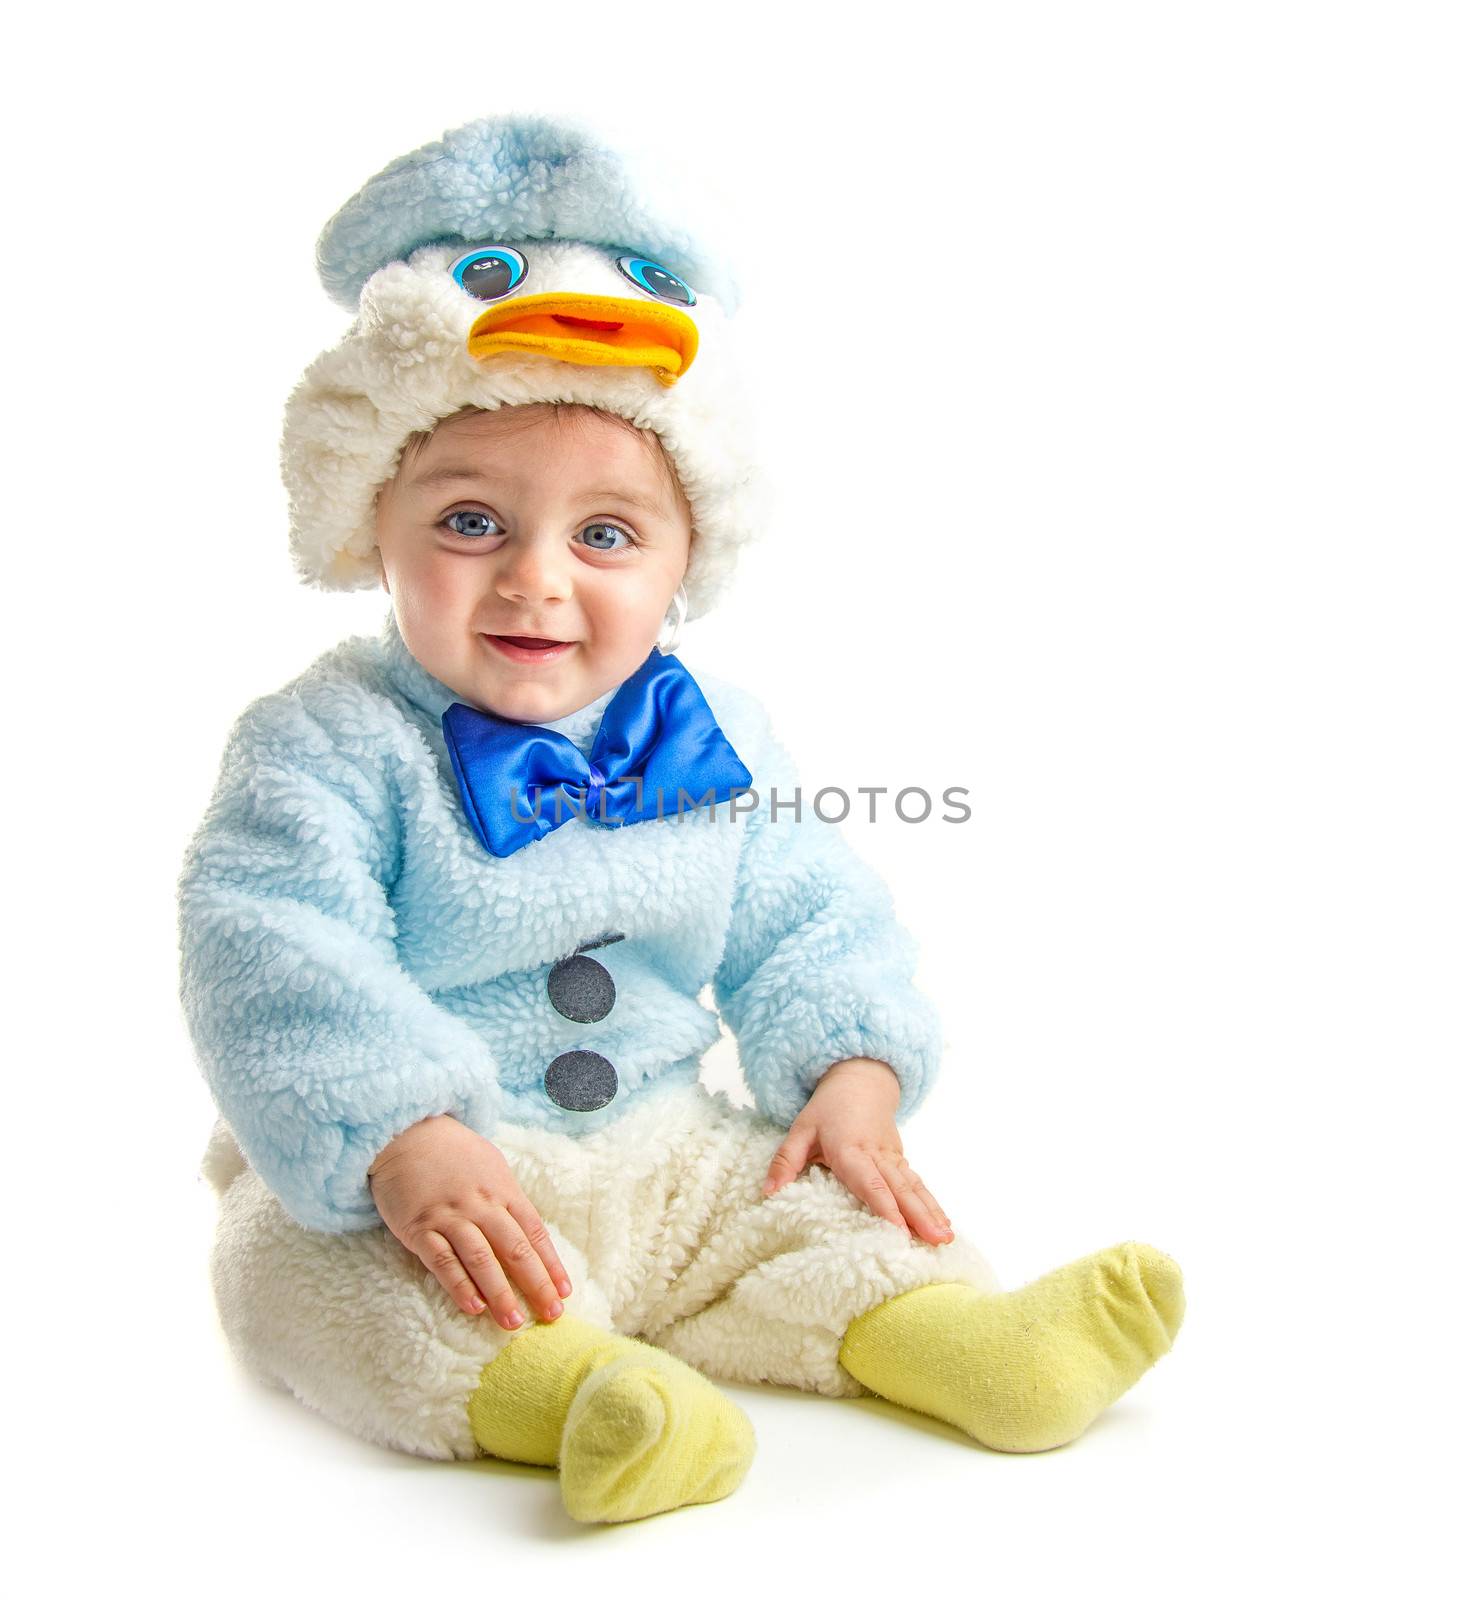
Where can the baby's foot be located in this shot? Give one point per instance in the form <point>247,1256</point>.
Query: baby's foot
<point>1028,1370</point>
<point>643,1437</point>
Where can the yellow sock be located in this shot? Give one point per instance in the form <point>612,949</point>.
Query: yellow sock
<point>1028,1370</point>
<point>632,1429</point>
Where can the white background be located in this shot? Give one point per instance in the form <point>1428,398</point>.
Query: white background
<point>1116,363</point>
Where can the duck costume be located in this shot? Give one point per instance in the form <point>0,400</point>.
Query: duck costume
<point>370,938</point>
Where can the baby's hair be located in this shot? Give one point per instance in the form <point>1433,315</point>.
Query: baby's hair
<point>562,412</point>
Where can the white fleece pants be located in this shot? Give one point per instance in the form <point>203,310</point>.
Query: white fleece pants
<point>658,1217</point>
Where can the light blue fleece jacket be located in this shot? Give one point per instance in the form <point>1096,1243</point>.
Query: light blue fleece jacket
<point>354,961</point>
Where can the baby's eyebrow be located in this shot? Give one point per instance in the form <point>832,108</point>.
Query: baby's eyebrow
<point>631,498</point>
<point>446,475</point>
<point>453,474</point>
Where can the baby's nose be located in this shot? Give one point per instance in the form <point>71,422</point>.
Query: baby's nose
<point>532,575</point>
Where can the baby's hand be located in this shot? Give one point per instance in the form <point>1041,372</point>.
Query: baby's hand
<point>449,1197</point>
<point>849,1126</point>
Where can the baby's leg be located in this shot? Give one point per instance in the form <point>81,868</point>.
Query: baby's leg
<point>810,1289</point>
<point>772,1284</point>
<point>358,1329</point>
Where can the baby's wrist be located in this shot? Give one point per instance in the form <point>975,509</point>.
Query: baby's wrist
<point>427,1131</point>
<point>864,1069</point>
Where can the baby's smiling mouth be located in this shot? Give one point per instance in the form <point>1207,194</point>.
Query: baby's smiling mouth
<point>528,647</point>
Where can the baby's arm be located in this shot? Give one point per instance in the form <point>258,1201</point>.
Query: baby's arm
<point>815,982</point>
<point>318,1046</point>
<point>816,968</point>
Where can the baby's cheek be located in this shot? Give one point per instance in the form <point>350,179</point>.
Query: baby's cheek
<point>438,590</point>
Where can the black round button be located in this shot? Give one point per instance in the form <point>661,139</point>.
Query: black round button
<point>581,989</point>
<point>581,1080</point>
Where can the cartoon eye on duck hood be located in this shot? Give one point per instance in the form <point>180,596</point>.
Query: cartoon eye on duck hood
<point>513,261</point>
<point>586,329</point>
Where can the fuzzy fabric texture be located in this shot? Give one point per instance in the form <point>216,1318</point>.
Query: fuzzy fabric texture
<point>570,205</point>
<point>526,177</point>
<point>660,1220</point>
<point>353,961</point>
<point>1029,1370</point>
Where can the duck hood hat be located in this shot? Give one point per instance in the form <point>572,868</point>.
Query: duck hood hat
<point>514,261</point>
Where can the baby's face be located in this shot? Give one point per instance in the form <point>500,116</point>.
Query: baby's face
<point>496,536</point>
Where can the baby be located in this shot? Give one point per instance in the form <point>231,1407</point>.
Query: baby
<point>446,925</point>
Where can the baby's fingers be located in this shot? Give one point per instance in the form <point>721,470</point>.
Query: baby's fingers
<point>479,1259</point>
<point>438,1254</point>
<point>525,1214</point>
<point>922,1211</point>
<point>789,1159</point>
<point>864,1179</point>
<point>523,1263</point>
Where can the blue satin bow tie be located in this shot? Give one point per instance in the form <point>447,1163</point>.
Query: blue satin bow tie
<point>657,742</point>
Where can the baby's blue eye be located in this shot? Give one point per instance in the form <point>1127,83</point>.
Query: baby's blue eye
<point>603,542</point>
<point>473,518</point>
<point>658,282</point>
<point>490,272</point>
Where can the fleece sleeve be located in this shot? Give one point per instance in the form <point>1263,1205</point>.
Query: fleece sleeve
<point>816,968</point>
<point>317,1045</point>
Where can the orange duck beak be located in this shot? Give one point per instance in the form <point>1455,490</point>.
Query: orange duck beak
<point>592,330</point>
